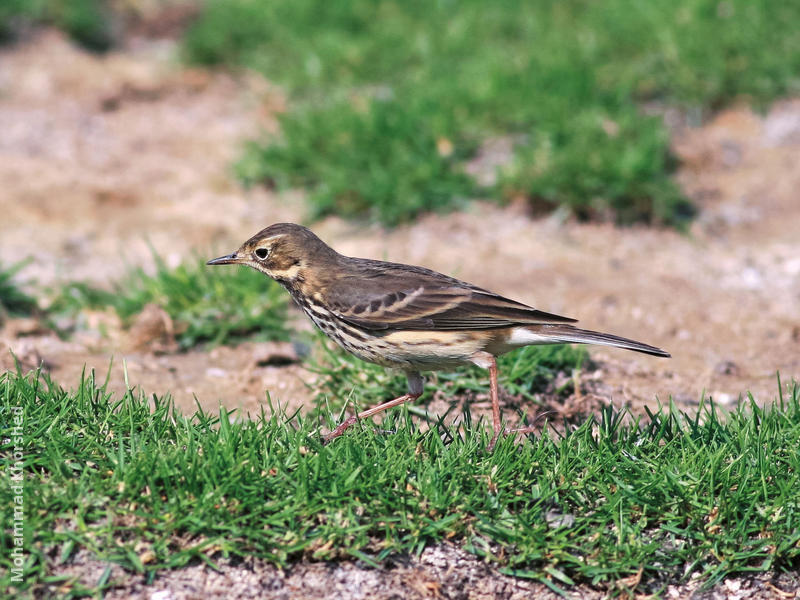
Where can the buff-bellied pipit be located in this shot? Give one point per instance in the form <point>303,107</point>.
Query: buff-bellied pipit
<point>406,317</point>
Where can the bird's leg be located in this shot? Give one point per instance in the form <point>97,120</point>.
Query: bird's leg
<point>496,424</point>
<point>414,392</point>
<point>488,361</point>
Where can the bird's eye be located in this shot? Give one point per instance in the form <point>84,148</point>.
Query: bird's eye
<point>261,253</point>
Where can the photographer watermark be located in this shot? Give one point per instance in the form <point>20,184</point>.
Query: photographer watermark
<point>15,479</point>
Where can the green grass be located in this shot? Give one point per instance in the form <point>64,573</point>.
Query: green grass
<point>206,304</point>
<point>11,11</point>
<point>88,22</point>
<point>526,373</point>
<point>138,484</point>
<point>381,165</point>
<point>388,99</point>
<point>14,302</point>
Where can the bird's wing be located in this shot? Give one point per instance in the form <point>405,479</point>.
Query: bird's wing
<point>414,298</point>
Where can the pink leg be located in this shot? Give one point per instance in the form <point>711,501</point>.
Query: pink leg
<point>367,413</point>
<point>414,392</point>
<point>487,361</point>
<point>494,392</point>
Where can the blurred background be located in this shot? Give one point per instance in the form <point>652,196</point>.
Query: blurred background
<point>631,164</point>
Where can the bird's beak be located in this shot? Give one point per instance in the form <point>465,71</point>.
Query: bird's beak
<point>228,259</point>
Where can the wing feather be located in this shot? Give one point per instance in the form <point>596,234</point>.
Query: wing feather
<point>413,298</point>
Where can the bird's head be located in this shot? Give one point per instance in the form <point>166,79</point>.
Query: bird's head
<point>283,251</point>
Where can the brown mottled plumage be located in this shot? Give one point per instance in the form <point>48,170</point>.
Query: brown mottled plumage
<point>404,316</point>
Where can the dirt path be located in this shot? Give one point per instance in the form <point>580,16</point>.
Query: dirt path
<point>101,156</point>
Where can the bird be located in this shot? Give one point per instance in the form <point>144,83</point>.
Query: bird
<point>406,317</point>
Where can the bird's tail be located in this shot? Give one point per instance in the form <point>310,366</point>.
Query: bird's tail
<point>568,334</point>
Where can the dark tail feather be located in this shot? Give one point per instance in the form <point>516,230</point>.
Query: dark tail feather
<point>572,335</point>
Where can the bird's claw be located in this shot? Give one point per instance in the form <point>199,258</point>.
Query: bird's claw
<point>509,431</point>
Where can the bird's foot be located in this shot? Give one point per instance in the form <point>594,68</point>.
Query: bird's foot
<point>326,439</point>
<point>509,431</point>
<point>521,430</point>
<point>493,442</point>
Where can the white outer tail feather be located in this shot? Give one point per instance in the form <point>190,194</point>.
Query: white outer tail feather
<point>567,334</point>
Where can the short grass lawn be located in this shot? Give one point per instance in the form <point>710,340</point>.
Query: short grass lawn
<point>672,495</point>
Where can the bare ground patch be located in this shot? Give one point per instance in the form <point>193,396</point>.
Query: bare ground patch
<point>444,571</point>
